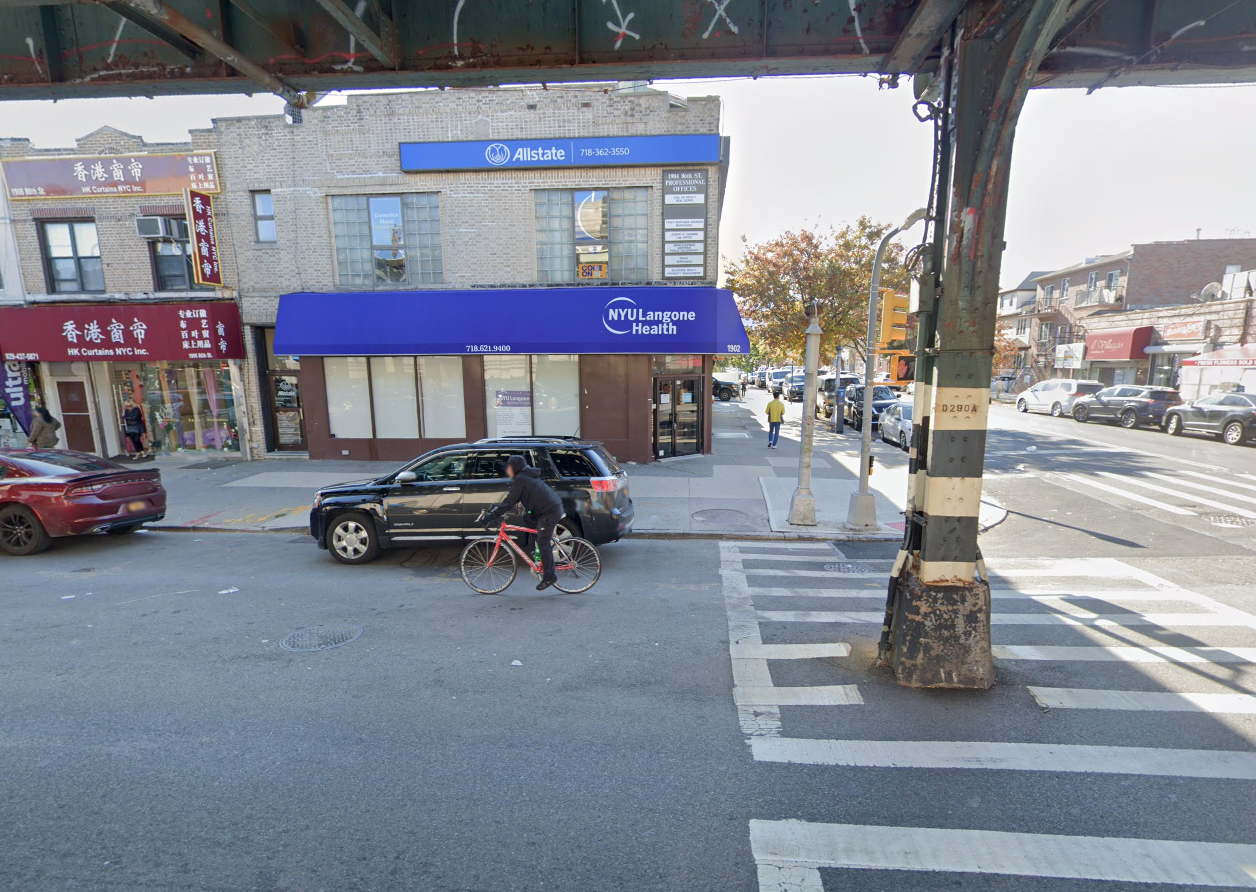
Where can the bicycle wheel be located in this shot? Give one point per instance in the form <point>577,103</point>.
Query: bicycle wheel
<point>577,565</point>
<point>486,572</point>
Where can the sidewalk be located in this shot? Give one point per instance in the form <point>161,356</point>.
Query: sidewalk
<point>743,490</point>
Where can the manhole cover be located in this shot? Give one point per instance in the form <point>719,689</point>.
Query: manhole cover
<point>321,637</point>
<point>721,515</point>
<point>846,567</point>
<point>1230,520</point>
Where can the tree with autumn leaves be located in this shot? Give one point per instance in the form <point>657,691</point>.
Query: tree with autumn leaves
<point>777,280</point>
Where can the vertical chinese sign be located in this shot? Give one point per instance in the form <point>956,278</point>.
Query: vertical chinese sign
<point>204,237</point>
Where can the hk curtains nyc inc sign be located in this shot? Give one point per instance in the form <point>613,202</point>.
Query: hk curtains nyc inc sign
<point>103,176</point>
<point>203,235</point>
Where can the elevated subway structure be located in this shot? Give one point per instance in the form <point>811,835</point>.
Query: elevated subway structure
<point>970,62</point>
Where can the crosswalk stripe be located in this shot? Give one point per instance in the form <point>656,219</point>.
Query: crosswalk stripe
<point>1008,757</point>
<point>789,651</point>
<point>1144,701</point>
<point>1118,654</point>
<point>1213,478</point>
<point>1211,489</point>
<point>819,695</point>
<point>1133,497</point>
<point>1189,496</point>
<point>1115,620</point>
<point>789,571</point>
<point>1041,596</point>
<point>872,847</point>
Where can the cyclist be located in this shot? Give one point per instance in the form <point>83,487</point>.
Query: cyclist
<point>546,508</point>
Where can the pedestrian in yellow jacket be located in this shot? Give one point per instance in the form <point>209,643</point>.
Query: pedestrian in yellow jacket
<point>776,414</point>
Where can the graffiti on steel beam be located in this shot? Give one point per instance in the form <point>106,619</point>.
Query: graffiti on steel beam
<point>854,14</point>
<point>30,42</point>
<point>457,12</point>
<point>721,7</point>
<point>620,28</point>
<point>350,63</point>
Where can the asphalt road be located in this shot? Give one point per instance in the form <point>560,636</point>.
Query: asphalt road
<point>155,736</point>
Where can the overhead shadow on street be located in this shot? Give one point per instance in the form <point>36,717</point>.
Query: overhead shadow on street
<point>1115,540</point>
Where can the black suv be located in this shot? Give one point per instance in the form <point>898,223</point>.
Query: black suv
<point>437,497</point>
<point>882,396</point>
<point>1130,404</point>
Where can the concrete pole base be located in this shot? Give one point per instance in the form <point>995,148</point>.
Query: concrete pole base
<point>863,511</point>
<point>941,636</point>
<point>802,509</point>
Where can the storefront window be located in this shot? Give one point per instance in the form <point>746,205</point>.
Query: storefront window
<point>676,364</point>
<point>279,363</point>
<point>1165,369</point>
<point>508,396</point>
<point>440,387</point>
<point>348,396</point>
<point>556,395</point>
<point>186,405</point>
<point>395,396</point>
<point>383,241</point>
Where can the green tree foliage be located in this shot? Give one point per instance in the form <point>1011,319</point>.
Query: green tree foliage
<point>776,281</point>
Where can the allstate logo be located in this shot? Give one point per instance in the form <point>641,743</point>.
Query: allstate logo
<point>497,154</point>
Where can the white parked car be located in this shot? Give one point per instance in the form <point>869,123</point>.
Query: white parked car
<point>1056,395</point>
<point>896,425</point>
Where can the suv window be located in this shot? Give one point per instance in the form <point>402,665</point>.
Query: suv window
<point>573,463</point>
<point>1234,399</point>
<point>1088,388</point>
<point>883,393</point>
<point>490,465</point>
<point>1109,393</point>
<point>450,466</point>
<point>1163,396</point>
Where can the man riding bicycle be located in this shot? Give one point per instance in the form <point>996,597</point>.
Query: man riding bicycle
<point>546,508</point>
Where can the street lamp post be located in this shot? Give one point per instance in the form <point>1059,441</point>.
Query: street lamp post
<point>802,507</point>
<point>862,513</point>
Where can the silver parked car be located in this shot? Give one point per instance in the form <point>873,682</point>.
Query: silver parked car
<point>1056,395</point>
<point>896,425</point>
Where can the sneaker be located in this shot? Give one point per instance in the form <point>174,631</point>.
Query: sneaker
<point>544,584</point>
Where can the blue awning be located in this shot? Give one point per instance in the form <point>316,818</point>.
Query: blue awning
<point>645,319</point>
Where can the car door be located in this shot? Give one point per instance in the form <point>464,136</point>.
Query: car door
<point>487,483</point>
<point>431,506</point>
<point>1105,402</point>
<point>889,424</point>
<point>1035,395</point>
<point>1195,415</point>
<point>1213,414</point>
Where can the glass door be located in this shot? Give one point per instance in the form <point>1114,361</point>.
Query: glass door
<point>285,409</point>
<point>677,416</point>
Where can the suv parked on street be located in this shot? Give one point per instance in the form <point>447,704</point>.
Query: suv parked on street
<point>1130,404</point>
<point>725,386</point>
<point>1056,395</point>
<point>1230,416</point>
<point>795,385</point>
<point>882,396</point>
<point>437,497</point>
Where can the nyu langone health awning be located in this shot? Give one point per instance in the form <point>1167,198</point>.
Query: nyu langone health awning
<point>646,319</point>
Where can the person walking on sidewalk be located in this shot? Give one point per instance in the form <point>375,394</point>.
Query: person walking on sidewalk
<point>44,430</point>
<point>776,414</point>
<point>135,428</point>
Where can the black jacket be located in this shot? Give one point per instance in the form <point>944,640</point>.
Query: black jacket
<point>532,491</point>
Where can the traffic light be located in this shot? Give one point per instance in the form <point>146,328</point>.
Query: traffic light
<point>903,368</point>
<point>894,309</point>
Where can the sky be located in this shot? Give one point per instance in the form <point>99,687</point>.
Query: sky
<point>1090,174</point>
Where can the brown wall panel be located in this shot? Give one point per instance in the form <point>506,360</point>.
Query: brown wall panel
<point>473,397</point>
<point>314,405</point>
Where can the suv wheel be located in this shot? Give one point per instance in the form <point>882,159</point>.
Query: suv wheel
<point>21,533</point>
<point>1022,406</point>
<point>902,442</point>
<point>1173,425</point>
<point>1080,413</point>
<point>1056,410</point>
<point>1232,433</point>
<point>725,394</point>
<point>1129,418</point>
<point>351,538</point>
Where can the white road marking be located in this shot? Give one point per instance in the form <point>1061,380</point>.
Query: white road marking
<point>818,695</point>
<point>1025,619</point>
<point>818,616</point>
<point>789,651</point>
<point>1008,757</point>
<point>1212,489</point>
<point>1145,701</point>
<point>1189,496</point>
<point>1133,497</point>
<point>789,571</point>
<point>743,629</point>
<point>797,844</point>
<point>1119,654</point>
<point>830,558</point>
<point>1213,478</point>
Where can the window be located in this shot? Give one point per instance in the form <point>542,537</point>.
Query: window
<point>1046,331</point>
<point>264,217</point>
<point>380,397</point>
<point>450,466</point>
<point>1022,326</point>
<point>573,463</point>
<point>587,234</point>
<point>1240,402</point>
<point>492,465</point>
<point>1048,295</point>
<point>1091,281</point>
<point>532,395</point>
<point>72,253</point>
<point>383,241</point>
<point>1064,283</point>
<point>172,261</point>
<point>1113,278</point>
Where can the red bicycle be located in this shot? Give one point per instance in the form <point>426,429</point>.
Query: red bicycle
<point>488,565</point>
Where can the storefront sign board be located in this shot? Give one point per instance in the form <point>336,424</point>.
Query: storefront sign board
<point>684,223</point>
<point>1118,344</point>
<point>107,176</point>
<point>598,151</point>
<point>513,409</point>
<point>15,397</point>
<point>1183,330</point>
<point>203,231</point>
<point>1069,356</point>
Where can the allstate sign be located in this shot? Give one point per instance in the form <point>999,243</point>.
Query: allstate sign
<point>598,151</point>
<point>622,316</point>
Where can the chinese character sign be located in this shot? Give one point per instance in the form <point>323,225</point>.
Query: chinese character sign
<point>204,237</point>
<point>110,175</point>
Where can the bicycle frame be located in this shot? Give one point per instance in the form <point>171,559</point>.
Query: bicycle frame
<point>502,538</point>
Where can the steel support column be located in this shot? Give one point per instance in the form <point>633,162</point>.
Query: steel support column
<point>939,629</point>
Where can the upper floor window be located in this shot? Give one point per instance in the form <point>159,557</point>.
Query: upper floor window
<point>264,217</point>
<point>592,234</point>
<point>173,259</point>
<point>1048,295</point>
<point>1022,326</point>
<point>1064,283</point>
<point>1113,278</point>
<point>72,257</point>
<point>383,241</point>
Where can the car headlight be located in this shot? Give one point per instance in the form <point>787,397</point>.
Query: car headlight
<point>318,499</point>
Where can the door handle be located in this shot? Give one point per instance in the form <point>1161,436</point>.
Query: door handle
<point>452,489</point>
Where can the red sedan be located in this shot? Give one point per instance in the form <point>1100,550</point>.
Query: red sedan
<point>49,493</point>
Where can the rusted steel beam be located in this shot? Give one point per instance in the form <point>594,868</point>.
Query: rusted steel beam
<point>286,41</point>
<point>925,28</point>
<point>167,15</point>
<point>166,35</point>
<point>382,46</point>
<point>52,43</point>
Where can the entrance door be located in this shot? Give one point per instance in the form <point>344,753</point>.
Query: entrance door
<point>76,416</point>
<point>677,416</point>
<point>286,411</point>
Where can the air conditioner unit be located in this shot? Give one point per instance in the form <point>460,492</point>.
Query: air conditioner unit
<point>161,228</point>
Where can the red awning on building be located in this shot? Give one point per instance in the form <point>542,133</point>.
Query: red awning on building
<point>1240,355</point>
<point>1118,344</point>
<point>122,332</point>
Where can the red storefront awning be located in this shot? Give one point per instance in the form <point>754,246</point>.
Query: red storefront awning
<point>122,332</point>
<point>1243,355</point>
<point>1118,344</point>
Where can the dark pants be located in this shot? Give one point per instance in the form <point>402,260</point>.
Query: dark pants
<point>545,542</point>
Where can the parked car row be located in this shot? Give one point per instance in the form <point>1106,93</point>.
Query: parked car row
<point>1230,417</point>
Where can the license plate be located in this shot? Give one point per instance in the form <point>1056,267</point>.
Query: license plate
<point>136,506</point>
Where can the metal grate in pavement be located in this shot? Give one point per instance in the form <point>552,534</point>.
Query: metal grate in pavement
<point>321,637</point>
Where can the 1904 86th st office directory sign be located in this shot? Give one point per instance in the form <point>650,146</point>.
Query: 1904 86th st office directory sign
<point>684,224</point>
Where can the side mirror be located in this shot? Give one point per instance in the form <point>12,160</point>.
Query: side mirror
<point>406,477</point>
